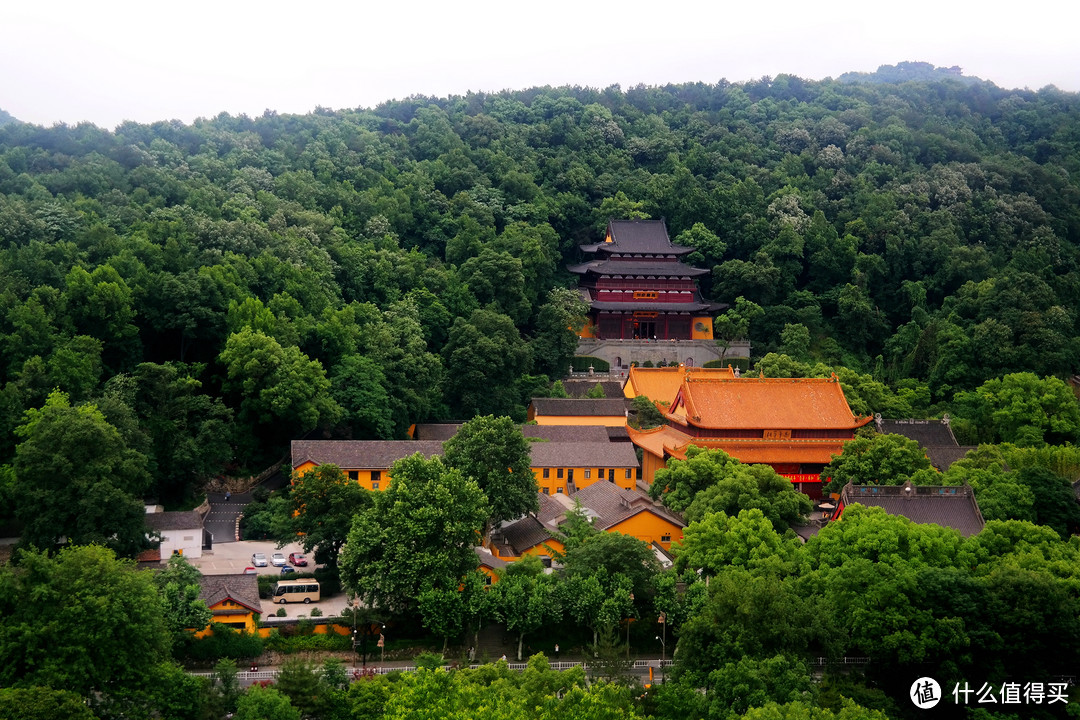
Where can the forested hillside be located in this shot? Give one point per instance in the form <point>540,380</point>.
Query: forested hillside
<point>222,287</point>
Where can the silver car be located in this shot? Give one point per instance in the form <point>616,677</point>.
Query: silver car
<point>258,560</point>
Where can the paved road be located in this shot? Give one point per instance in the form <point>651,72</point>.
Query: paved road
<point>221,520</point>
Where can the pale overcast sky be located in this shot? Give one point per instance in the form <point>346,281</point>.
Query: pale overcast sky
<point>115,60</point>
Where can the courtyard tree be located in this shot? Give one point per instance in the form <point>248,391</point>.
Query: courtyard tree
<point>322,505</point>
<point>493,452</point>
<point>417,535</point>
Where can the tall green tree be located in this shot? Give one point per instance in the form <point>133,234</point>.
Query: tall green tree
<point>178,584</point>
<point>104,632</point>
<point>1023,409</point>
<point>525,599</point>
<point>189,432</point>
<point>558,322</point>
<point>323,503</point>
<point>483,357</point>
<point>880,460</point>
<point>494,453</point>
<point>281,391</point>
<point>76,478</point>
<point>418,534</point>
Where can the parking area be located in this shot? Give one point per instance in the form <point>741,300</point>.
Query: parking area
<point>232,558</point>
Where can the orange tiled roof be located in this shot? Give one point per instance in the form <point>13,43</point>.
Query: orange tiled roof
<point>769,452</point>
<point>662,384</point>
<point>658,440</point>
<point>765,404</point>
<point>668,441</point>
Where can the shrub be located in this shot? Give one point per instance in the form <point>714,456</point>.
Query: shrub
<point>225,642</point>
<point>330,642</point>
<point>281,612</point>
<point>316,612</point>
<point>581,363</point>
<point>743,364</point>
<point>429,660</point>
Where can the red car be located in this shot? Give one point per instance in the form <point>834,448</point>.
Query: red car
<point>297,559</point>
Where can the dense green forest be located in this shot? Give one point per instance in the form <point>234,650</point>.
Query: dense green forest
<point>221,287</point>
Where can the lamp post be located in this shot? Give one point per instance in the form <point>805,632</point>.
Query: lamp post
<point>382,646</point>
<point>663,657</point>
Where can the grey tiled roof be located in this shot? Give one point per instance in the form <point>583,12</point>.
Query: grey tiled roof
<point>528,532</point>
<point>934,436</point>
<point>656,268</point>
<point>928,433</point>
<point>618,434</point>
<point>243,589</point>
<point>951,506</point>
<point>578,388</point>
<point>435,431</point>
<point>361,453</point>
<point>583,454</point>
<point>486,557</point>
<point>638,236</point>
<point>579,406</point>
<point>566,433</point>
<point>181,520</point>
<point>943,457</point>
<point>612,504</point>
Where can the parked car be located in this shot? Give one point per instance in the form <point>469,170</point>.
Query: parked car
<point>286,570</point>
<point>258,560</point>
<point>250,571</point>
<point>277,559</point>
<point>298,559</point>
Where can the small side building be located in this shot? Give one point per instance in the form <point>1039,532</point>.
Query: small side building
<point>578,411</point>
<point>233,600</point>
<point>610,508</point>
<point>566,467</point>
<point>367,462</point>
<point>181,533</point>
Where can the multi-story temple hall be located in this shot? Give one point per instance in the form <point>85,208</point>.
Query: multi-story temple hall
<point>644,302</point>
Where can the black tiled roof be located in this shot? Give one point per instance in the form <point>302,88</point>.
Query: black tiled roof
<point>951,506</point>
<point>656,268</point>
<point>943,457</point>
<point>361,453</point>
<point>693,306</point>
<point>579,406</point>
<point>181,520</point>
<point>928,433</point>
<point>638,236</point>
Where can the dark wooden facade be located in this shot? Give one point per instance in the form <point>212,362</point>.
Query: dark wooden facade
<point>638,287</point>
